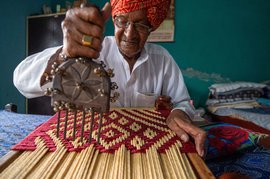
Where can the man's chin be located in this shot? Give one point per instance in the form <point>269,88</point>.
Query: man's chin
<point>130,53</point>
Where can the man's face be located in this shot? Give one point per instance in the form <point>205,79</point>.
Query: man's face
<point>131,39</point>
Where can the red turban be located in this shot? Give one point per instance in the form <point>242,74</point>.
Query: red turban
<point>156,9</point>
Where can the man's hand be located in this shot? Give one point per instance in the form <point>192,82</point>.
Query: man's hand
<point>180,123</point>
<point>87,20</point>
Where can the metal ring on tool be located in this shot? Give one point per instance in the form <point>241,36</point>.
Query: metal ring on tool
<point>87,40</point>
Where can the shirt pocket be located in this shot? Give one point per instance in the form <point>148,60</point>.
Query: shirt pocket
<point>145,99</point>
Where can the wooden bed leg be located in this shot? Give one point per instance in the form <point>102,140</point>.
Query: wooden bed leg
<point>200,166</point>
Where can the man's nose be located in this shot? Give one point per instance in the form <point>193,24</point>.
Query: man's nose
<point>130,31</point>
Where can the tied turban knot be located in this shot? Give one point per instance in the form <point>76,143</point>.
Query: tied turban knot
<point>157,10</point>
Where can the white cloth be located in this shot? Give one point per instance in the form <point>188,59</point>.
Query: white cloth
<point>154,73</point>
<point>225,87</point>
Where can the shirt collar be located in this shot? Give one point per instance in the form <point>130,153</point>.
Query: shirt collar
<point>143,58</point>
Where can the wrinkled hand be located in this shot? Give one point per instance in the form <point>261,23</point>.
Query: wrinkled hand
<point>87,20</point>
<point>180,123</point>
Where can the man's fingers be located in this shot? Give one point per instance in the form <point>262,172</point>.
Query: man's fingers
<point>106,11</point>
<point>179,132</point>
<point>75,50</point>
<point>88,20</point>
<point>197,134</point>
<point>182,134</point>
<point>90,14</point>
<point>200,142</point>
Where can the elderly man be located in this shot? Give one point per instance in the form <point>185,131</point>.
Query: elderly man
<point>143,71</point>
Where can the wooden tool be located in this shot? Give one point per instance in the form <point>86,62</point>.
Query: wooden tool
<point>80,84</point>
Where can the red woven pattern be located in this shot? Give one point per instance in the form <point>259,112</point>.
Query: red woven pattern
<point>137,129</point>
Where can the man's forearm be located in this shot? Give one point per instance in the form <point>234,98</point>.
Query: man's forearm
<point>27,75</point>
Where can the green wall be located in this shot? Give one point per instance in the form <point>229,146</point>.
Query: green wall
<point>215,41</point>
<point>230,38</point>
<point>13,46</point>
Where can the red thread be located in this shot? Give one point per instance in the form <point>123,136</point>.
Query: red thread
<point>121,126</point>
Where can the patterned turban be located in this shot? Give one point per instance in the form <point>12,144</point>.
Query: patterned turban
<point>157,10</point>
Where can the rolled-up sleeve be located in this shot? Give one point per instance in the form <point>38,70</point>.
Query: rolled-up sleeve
<point>174,86</point>
<point>26,76</point>
<point>186,107</point>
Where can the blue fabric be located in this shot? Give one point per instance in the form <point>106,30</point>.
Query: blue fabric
<point>256,110</point>
<point>254,163</point>
<point>264,101</point>
<point>246,158</point>
<point>14,127</point>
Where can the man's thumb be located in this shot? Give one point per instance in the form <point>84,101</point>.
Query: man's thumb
<point>106,11</point>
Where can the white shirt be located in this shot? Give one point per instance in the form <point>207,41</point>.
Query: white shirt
<point>154,73</point>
